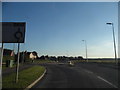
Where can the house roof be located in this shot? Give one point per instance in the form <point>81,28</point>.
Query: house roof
<point>34,53</point>
<point>28,53</point>
<point>7,52</point>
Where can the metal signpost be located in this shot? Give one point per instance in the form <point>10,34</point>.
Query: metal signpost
<point>17,68</point>
<point>18,36</point>
<point>13,32</point>
<point>1,65</point>
<point>1,56</point>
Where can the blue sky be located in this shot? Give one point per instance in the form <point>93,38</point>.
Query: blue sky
<point>59,28</point>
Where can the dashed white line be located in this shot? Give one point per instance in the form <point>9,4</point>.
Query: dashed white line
<point>100,78</point>
<point>88,71</point>
<point>107,81</point>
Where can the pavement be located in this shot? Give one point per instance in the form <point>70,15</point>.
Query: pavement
<point>82,75</point>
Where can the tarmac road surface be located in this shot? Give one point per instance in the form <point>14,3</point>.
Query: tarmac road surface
<point>82,75</point>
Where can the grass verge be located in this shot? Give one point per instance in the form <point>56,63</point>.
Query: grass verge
<point>95,61</point>
<point>43,61</point>
<point>26,77</point>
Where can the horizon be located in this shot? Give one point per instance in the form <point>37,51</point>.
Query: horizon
<point>68,56</point>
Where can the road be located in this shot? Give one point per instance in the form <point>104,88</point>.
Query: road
<point>82,75</point>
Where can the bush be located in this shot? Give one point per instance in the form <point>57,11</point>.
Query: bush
<point>8,58</point>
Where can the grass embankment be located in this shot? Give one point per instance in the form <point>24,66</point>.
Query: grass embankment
<point>95,61</point>
<point>102,61</point>
<point>26,77</point>
<point>43,61</point>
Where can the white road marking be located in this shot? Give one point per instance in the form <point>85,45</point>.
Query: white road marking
<point>100,78</point>
<point>88,71</point>
<point>107,81</point>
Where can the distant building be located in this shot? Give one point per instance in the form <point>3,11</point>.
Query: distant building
<point>8,52</point>
<point>32,55</point>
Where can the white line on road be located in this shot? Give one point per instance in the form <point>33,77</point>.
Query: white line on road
<point>87,71</point>
<point>99,77</point>
<point>107,81</point>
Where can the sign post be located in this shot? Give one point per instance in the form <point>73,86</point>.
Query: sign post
<point>13,32</point>
<point>1,58</point>
<point>18,36</point>
<point>17,67</point>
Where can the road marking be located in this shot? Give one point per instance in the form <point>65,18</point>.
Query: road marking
<point>100,78</point>
<point>107,81</point>
<point>88,71</point>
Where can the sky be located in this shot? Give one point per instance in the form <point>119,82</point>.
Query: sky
<point>58,28</point>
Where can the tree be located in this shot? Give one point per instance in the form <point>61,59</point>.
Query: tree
<point>46,57</point>
<point>42,57</point>
<point>53,58</point>
<point>80,57</point>
<point>35,53</point>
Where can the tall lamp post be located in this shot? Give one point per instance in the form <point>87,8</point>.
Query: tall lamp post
<point>113,41</point>
<point>86,48</point>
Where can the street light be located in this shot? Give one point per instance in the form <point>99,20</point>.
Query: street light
<point>86,48</point>
<point>114,41</point>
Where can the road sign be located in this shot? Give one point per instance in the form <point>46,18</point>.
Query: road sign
<point>13,32</point>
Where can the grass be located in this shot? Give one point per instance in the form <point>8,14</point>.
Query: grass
<point>42,61</point>
<point>4,67</point>
<point>102,61</point>
<point>14,65</point>
<point>95,61</point>
<point>77,61</point>
<point>26,77</point>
